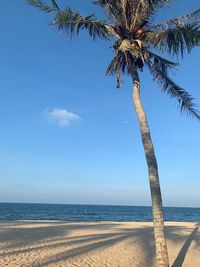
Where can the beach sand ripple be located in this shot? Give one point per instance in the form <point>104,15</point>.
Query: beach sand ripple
<point>94,244</point>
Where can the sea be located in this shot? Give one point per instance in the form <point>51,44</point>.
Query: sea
<point>91,213</point>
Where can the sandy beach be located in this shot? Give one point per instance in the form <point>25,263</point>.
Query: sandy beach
<point>101,244</point>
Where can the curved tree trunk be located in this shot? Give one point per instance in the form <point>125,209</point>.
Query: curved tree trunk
<point>160,242</point>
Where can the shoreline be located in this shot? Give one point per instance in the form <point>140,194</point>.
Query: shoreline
<point>100,221</point>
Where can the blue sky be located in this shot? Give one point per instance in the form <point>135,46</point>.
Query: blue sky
<point>69,136</point>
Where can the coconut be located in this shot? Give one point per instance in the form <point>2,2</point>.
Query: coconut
<point>140,31</point>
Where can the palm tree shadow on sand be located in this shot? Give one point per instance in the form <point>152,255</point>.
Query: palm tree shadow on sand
<point>183,252</point>
<point>62,245</point>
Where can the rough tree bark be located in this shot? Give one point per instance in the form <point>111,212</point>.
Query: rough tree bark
<point>162,259</point>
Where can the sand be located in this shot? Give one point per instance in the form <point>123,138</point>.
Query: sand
<point>101,244</point>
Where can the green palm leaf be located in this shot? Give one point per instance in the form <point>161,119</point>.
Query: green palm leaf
<point>181,21</point>
<point>143,10</point>
<point>130,13</point>
<point>111,69</point>
<point>72,22</point>
<point>175,91</point>
<point>125,46</point>
<point>54,4</point>
<point>114,9</point>
<point>43,6</point>
<point>177,40</point>
<point>162,63</point>
<point>117,66</point>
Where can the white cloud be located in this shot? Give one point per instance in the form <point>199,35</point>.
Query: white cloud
<point>62,117</point>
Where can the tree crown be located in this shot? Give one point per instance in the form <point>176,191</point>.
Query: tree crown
<point>135,38</point>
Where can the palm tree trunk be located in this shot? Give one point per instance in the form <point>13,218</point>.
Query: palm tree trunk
<point>157,209</point>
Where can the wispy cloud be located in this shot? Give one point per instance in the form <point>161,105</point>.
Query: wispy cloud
<point>62,117</point>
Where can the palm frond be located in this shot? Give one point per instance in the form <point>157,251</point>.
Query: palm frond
<point>143,10</point>
<point>54,4</point>
<point>113,9</point>
<point>114,68</point>
<point>111,69</point>
<point>176,40</point>
<point>137,11</point>
<point>43,6</point>
<point>175,91</point>
<point>125,46</point>
<point>180,21</point>
<point>154,4</point>
<point>122,63</point>
<point>71,23</point>
<point>129,13</point>
<point>162,63</point>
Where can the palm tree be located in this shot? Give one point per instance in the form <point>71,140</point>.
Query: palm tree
<point>136,39</point>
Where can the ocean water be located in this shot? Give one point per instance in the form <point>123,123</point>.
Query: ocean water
<point>89,213</point>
